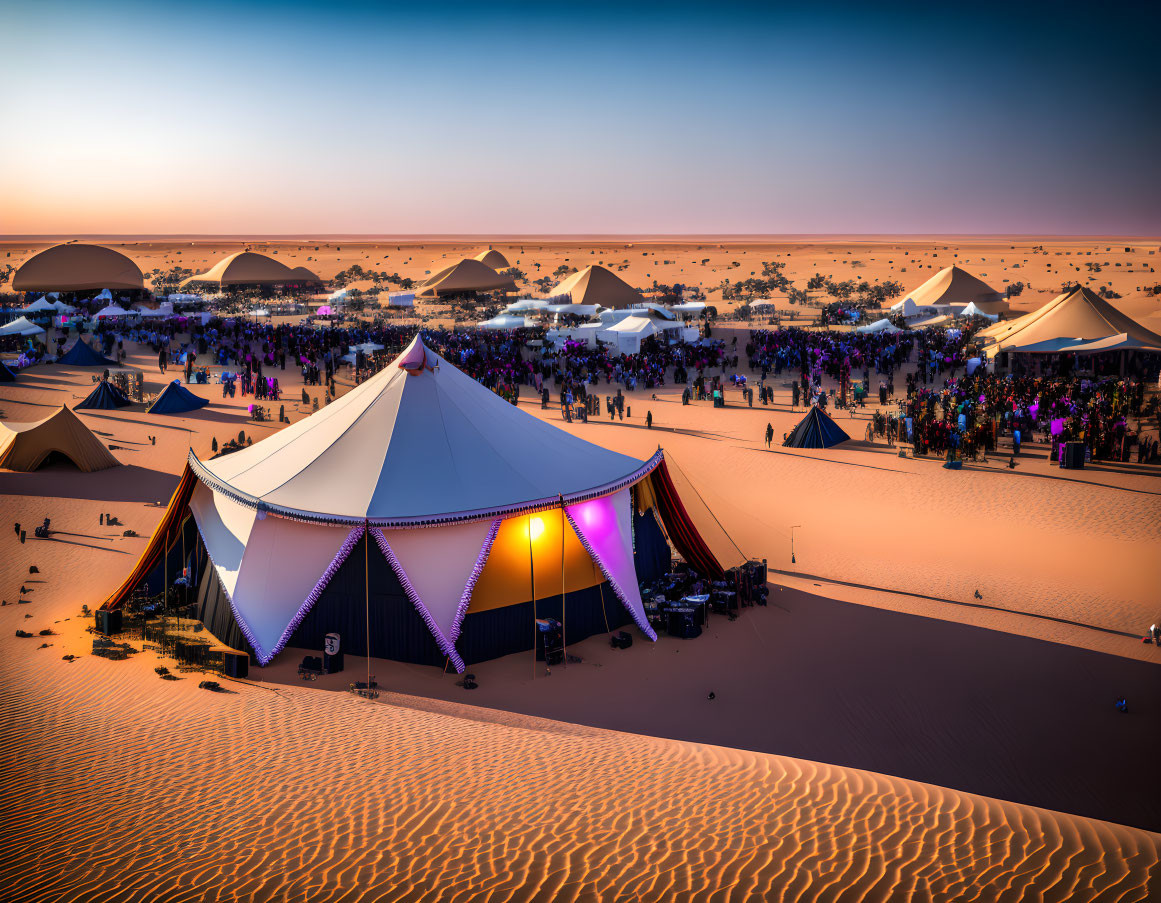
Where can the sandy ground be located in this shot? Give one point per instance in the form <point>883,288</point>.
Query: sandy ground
<point>280,790</point>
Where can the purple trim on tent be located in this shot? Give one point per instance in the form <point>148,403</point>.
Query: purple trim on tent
<point>432,520</point>
<point>641,621</point>
<point>477,569</point>
<point>446,647</point>
<point>262,655</point>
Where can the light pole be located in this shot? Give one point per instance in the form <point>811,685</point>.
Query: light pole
<point>792,529</point>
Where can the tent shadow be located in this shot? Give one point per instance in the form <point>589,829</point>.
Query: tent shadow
<point>134,484</point>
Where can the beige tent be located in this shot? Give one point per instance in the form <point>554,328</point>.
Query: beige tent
<point>597,285</point>
<point>303,276</point>
<point>245,268</point>
<point>466,276</point>
<point>1080,314</point>
<point>494,259</point>
<point>77,268</point>
<point>26,446</point>
<point>951,285</point>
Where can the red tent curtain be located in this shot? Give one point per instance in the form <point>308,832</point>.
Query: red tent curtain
<point>682,533</point>
<point>172,519</point>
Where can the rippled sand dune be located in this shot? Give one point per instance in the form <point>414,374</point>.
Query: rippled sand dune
<point>120,787</point>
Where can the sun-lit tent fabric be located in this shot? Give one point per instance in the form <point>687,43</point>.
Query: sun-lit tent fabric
<point>697,307</point>
<point>883,325</point>
<point>505,321</point>
<point>338,295</point>
<point>1077,314</point>
<point>244,268</point>
<point>176,399</point>
<point>575,310</point>
<point>25,446</point>
<point>77,268</point>
<point>466,276</point>
<point>157,313</point>
<point>937,320</point>
<point>953,285</point>
<point>655,311</point>
<point>82,354</point>
<point>438,569</point>
<point>494,259</point>
<point>597,285</point>
<point>411,446</point>
<point>815,430</point>
<point>605,526</point>
<point>225,529</point>
<point>184,296</point>
<point>628,333</point>
<point>105,397</point>
<point>21,326</point>
<point>63,308</point>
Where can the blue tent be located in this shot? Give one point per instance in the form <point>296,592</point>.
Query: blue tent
<point>815,430</point>
<point>105,397</point>
<point>83,355</point>
<point>176,399</point>
<point>6,375</point>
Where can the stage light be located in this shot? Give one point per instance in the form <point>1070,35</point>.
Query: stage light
<point>535,528</point>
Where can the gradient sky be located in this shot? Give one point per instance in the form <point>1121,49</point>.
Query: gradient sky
<point>523,118</point>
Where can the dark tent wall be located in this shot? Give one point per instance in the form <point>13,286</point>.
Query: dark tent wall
<point>105,397</point>
<point>815,430</point>
<point>399,633</point>
<point>83,355</point>
<point>183,542</point>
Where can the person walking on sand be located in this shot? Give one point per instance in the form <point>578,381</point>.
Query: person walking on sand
<point>769,434</point>
<point>161,360</point>
<point>648,420</point>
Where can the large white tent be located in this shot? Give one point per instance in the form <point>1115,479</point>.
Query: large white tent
<point>456,492</point>
<point>628,333</point>
<point>21,326</point>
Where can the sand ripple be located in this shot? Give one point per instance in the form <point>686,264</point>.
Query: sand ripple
<point>116,786</point>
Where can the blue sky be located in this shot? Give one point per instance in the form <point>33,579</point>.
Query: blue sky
<point>349,117</point>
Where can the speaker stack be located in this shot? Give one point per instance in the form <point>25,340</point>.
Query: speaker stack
<point>109,622</point>
<point>236,664</point>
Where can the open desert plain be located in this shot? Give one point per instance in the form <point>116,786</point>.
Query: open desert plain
<point>579,452</point>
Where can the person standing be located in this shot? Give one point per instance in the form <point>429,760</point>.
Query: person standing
<point>769,434</point>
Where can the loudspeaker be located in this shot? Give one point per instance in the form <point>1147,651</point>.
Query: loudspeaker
<point>332,664</point>
<point>109,622</point>
<point>1073,456</point>
<point>237,664</point>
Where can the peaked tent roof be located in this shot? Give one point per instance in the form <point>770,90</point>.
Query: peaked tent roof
<point>1077,314</point>
<point>494,259</point>
<point>244,268</point>
<point>77,268</point>
<point>815,430</point>
<point>6,375</point>
<point>176,399</point>
<point>302,274</point>
<point>24,446</point>
<point>105,397</point>
<point>953,285</point>
<point>420,439</point>
<point>597,285</point>
<point>82,354</point>
<point>21,326</point>
<point>466,276</point>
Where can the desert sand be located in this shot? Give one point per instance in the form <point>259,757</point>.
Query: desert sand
<point>616,777</point>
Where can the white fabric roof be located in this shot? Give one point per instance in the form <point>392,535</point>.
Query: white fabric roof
<point>413,445</point>
<point>505,321</point>
<point>21,326</point>
<point>114,310</point>
<point>690,307</point>
<point>103,295</point>
<point>972,311</point>
<point>526,304</point>
<point>40,304</point>
<point>642,326</point>
<point>883,325</point>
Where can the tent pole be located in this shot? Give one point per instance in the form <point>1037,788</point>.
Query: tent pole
<point>532,578</point>
<point>563,596</point>
<point>367,594</point>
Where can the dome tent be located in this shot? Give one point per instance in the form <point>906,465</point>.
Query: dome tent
<point>176,399</point>
<point>78,268</point>
<point>470,516</point>
<point>465,277</point>
<point>597,285</point>
<point>82,354</point>
<point>105,397</point>
<point>494,259</point>
<point>815,430</point>
<point>244,268</point>
<point>27,446</point>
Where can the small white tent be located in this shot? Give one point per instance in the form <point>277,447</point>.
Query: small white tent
<point>883,325</point>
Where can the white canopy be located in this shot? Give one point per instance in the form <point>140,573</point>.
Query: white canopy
<point>103,295</point>
<point>580,310</point>
<point>185,296</point>
<point>338,295</point>
<point>22,327</point>
<point>114,310</point>
<point>883,325</point>
<point>506,321</point>
<point>164,310</point>
<point>972,311</point>
<point>524,304</point>
<point>690,307</point>
<point>418,440</point>
<point>40,304</point>
<point>906,307</point>
<point>61,307</point>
